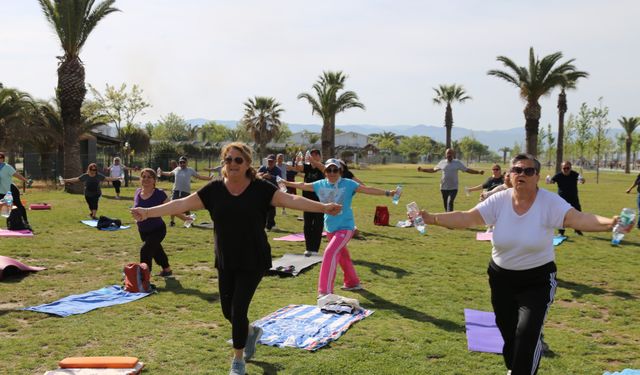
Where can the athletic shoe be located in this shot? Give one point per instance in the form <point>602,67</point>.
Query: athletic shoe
<point>252,341</point>
<point>352,288</point>
<point>165,274</point>
<point>579,233</point>
<point>172,224</point>
<point>309,253</point>
<point>238,367</point>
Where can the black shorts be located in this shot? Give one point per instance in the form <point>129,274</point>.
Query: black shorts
<point>177,194</point>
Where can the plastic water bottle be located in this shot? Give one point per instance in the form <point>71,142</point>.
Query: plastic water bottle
<point>626,218</point>
<point>299,158</point>
<point>8,200</point>
<point>547,179</point>
<point>414,213</point>
<point>307,157</point>
<point>580,179</point>
<point>61,180</point>
<point>466,191</point>
<point>281,185</point>
<point>397,194</point>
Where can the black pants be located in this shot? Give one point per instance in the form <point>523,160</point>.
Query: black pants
<point>448,196</point>
<point>92,201</point>
<point>575,203</point>
<point>521,300</point>
<point>152,247</point>
<point>236,289</point>
<point>313,225</point>
<point>15,193</point>
<point>116,185</point>
<point>271,217</point>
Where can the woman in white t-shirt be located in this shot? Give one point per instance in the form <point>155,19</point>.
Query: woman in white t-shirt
<point>116,171</point>
<point>522,271</point>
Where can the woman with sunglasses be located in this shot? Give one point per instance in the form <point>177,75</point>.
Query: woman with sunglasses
<point>92,191</point>
<point>522,271</point>
<point>238,204</point>
<point>496,179</point>
<point>7,172</point>
<point>334,188</point>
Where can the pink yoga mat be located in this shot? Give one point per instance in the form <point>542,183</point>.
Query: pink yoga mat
<point>297,237</point>
<point>39,206</point>
<point>484,236</point>
<point>15,233</point>
<point>11,264</point>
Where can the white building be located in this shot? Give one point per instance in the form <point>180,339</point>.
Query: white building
<point>352,140</point>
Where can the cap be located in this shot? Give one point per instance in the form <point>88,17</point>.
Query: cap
<point>271,157</point>
<point>314,151</point>
<point>182,158</point>
<point>335,162</point>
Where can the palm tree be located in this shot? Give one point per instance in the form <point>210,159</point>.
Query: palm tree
<point>328,104</point>
<point>504,151</point>
<point>572,78</point>
<point>539,79</point>
<point>447,94</point>
<point>14,104</point>
<point>629,124</point>
<point>262,120</point>
<point>73,21</point>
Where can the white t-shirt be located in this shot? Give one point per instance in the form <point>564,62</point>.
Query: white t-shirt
<point>449,180</point>
<point>522,242</point>
<point>116,171</point>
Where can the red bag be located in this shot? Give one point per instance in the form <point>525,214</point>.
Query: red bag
<point>137,278</point>
<point>382,216</point>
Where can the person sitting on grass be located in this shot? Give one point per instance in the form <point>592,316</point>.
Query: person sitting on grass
<point>238,204</point>
<point>92,191</point>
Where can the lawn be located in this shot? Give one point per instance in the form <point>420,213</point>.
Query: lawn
<point>417,285</point>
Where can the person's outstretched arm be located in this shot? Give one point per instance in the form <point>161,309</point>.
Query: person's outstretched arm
<point>474,171</point>
<point>428,170</point>
<point>475,188</point>
<point>496,189</point>
<point>19,177</point>
<point>455,219</point>
<point>297,202</point>
<point>174,207</point>
<point>588,222</point>
<point>374,191</point>
<point>635,183</point>
<point>201,177</point>
<point>299,185</point>
<point>72,180</point>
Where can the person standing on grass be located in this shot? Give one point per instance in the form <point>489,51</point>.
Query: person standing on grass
<point>636,183</point>
<point>282,167</point>
<point>270,173</point>
<point>449,181</point>
<point>92,191</point>
<point>492,182</point>
<point>567,181</point>
<point>522,271</point>
<point>238,204</point>
<point>116,170</point>
<point>7,172</point>
<point>334,188</point>
<point>182,183</point>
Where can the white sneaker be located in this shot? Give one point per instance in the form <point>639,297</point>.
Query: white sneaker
<point>308,253</point>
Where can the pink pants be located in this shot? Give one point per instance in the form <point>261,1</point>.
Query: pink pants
<point>337,253</point>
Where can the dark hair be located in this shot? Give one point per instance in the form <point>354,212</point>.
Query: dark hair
<point>536,163</point>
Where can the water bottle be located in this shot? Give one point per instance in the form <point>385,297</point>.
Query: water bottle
<point>299,158</point>
<point>547,179</point>
<point>307,157</point>
<point>6,209</point>
<point>466,191</point>
<point>414,213</point>
<point>580,179</point>
<point>397,194</point>
<point>281,185</point>
<point>626,218</point>
<point>61,180</point>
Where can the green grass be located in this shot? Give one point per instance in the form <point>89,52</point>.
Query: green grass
<point>417,285</point>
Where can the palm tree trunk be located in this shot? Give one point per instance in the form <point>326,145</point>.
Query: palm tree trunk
<point>448,123</point>
<point>562,109</point>
<point>532,117</point>
<point>327,139</point>
<point>628,150</point>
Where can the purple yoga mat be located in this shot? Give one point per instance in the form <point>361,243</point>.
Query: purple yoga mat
<point>7,263</point>
<point>297,237</point>
<point>15,233</point>
<point>482,333</point>
<point>484,236</point>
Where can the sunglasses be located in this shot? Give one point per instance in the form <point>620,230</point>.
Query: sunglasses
<point>566,168</point>
<point>495,169</point>
<point>237,159</point>
<point>332,170</point>
<point>92,169</point>
<point>529,171</point>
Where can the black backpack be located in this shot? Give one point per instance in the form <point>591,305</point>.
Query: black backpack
<point>108,223</point>
<point>15,221</point>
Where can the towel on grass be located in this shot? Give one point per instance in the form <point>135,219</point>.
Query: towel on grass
<point>94,224</point>
<point>293,264</point>
<point>626,371</point>
<point>305,326</point>
<point>482,333</point>
<point>16,233</point>
<point>82,303</point>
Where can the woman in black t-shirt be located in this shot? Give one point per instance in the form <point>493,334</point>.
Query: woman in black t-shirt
<point>238,204</point>
<point>92,191</point>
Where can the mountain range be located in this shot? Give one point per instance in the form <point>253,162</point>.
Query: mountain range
<point>495,139</point>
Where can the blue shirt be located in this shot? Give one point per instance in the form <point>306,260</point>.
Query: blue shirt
<point>342,193</point>
<point>6,172</point>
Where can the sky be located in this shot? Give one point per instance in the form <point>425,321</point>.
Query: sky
<point>205,58</point>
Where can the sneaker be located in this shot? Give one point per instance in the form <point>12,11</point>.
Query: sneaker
<point>352,288</point>
<point>579,233</point>
<point>309,253</point>
<point>252,341</point>
<point>165,274</point>
<point>238,367</point>
<point>172,224</point>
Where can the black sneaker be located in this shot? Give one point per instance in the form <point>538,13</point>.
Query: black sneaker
<point>172,224</point>
<point>165,274</point>
<point>579,233</point>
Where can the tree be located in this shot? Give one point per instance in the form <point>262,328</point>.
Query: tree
<point>447,94</point>
<point>119,106</point>
<point>504,151</point>
<point>416,145</point>
<point>550,141</point>
<point>571,80</point>
<point>171,128</point>
<point>213,132</point>
<point>328,104</point>
<point>568,144</point>
<point>600,115</point>
<point>539,79</point>
<point>73,21</point>
<point>583,130</point>
<point>629,125</point>
<point>262,120</point>
<point>14,104</point>
<point>385,141</point>
<point>284,133</point>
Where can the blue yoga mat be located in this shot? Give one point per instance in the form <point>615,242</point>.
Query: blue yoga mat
<point>626,371</point>
<point>82,303</point>
<point>557,240</point>
<point>94,224</point>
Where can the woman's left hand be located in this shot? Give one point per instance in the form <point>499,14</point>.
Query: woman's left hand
<point>139,213</point>
<point>625,229</point>
<point>332,208</point>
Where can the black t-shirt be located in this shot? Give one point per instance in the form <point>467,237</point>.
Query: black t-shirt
<point>492,183</point>
<point>92,184</point>
<point>311,174</point>
<point>240,240</point>
<point>637,182</point>
<point>567,185</point>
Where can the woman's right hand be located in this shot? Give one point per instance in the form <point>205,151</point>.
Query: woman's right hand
<point>139,213</point>
<point>332,208</point>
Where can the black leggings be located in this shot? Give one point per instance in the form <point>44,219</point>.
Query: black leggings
<point>236,290</point>
<point>152,247</point>
<point>521,300</point>
<point>116,185</point>
<point>313,225</point>
<point>92,201</point>
<point>448,196</point>
<point>15,193</point>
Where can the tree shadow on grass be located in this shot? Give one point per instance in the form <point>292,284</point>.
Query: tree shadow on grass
<point>381,235</point>
<point>578,290</point>
<point>267,368</point>
<point>174,286</point>
<point>376,268</point>
<point>379,303</point>
<point>622,244</point>
<point>114,197</point>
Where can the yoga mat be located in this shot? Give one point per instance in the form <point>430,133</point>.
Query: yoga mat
<point>39,206</point>
<point>16,233</point>
<point>484,236</point>
<point>82,303</point>
<point>10,266</point>
<point>482,333</point>
<point>305,327</point>
<point>297,237</point>
<point>557,240</point>
<point>283,265</point>
<point>97,371</point>
<point>626,371</point>
<point>94,224</point>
